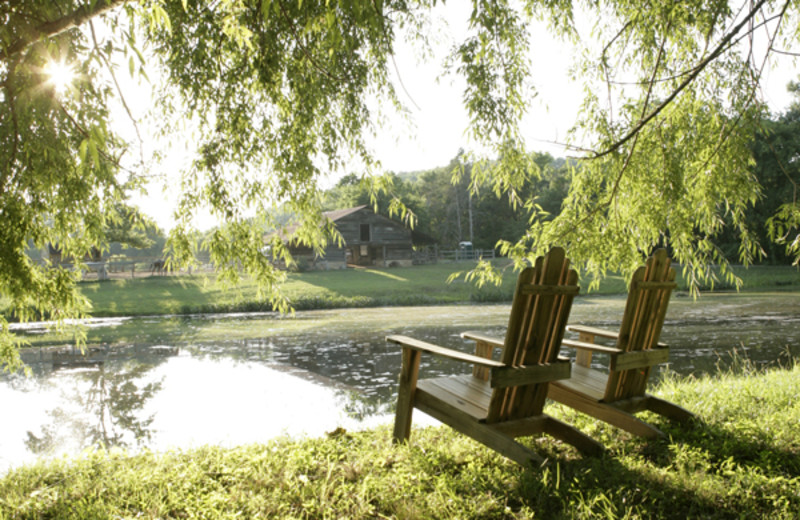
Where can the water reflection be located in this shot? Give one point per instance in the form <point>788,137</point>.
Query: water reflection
<point>233,402</point>
<point>99,406</point>
<point>307,375</point>
<point>156,397</point>
<point>76,401</point>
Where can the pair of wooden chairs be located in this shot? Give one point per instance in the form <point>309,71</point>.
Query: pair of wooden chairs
<point>504,399</point>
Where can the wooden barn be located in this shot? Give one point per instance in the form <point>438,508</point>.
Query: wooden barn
<point>369,240</point>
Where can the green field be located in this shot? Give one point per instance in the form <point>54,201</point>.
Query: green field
<point>419,285</point>
<point>310,290</point>
<point>741,460</point>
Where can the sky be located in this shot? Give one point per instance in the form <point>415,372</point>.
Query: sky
<point>438,119</point>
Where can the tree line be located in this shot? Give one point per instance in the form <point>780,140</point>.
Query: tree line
<point>449,210</point>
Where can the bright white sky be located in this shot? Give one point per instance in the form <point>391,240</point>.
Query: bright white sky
<point>438,119</point>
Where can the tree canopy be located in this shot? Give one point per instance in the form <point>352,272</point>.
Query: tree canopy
<point>280,92</point>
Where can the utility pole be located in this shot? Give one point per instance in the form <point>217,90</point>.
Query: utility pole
<point>469,211</point>
<point>458,212</point>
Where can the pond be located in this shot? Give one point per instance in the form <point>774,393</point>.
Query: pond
<point>158,383</point>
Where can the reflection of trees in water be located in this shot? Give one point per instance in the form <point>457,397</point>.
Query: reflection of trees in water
<point>359,406</point>
<point>110,403</point>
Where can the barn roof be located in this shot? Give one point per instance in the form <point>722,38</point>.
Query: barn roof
<point>338,214</point>
<point>341,213</point>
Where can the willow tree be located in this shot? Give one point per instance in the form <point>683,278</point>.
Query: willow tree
<point>282,91</point>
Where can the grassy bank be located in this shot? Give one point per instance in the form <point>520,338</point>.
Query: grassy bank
<point>741,461</point>
<point>419,285</point>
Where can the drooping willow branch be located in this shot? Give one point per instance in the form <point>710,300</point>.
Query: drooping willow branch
<point>645,106</point>
<point>119,92</point>
<point>391,54</point>
<point>729,128</point>
<point>11,95</point>
<point>322,70</point>
<point>733,43</point>
<point>55,27</point>
<point>85,133</point>
<point>719,50</point>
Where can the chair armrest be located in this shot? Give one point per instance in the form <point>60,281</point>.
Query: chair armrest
<point>594,331</point>
<point>415,344</point>
<point>484,347</point>
<point>477,336</point>
<point>621,360</point>
<point>590,346</point>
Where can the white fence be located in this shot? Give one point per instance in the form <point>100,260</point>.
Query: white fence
<point>431,255</point>
<point>456,255</point>
<point>133,268</point>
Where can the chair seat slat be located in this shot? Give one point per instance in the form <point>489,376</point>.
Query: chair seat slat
<point>459,392</point>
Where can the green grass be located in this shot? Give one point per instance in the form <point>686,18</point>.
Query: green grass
<point>419,285</point>
<point>742,460</point>
<point>423,285</point>
<point>756,278</point>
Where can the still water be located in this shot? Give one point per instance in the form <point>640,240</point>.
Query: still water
<point>157,383</point>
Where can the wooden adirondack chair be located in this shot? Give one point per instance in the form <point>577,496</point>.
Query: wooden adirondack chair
<point>502,400</point>
<point>616,396</point>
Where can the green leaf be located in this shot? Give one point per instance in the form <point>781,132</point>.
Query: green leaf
<point>82,149</point>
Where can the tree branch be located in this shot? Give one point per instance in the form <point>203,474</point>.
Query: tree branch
<point>85,133</point>
<point>119,91</point>
<point>728,129</point>
<point>54,27</point>
<point>615,189</point>
<point>730,45</point>
<point>786,53</point>
<point>9,86</point>
<point>696,72</point>
<point>297,40</point>
<point>604,66</point>
<point>391,54</point>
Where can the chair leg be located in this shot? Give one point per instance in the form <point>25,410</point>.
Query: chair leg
<point>602,411</point>
<point>483,433</point>
<point>405,394</point>
<point>566,433</point>
<point>667,409</point>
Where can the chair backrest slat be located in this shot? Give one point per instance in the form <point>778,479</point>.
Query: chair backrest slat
<point>539,313</point>
<point>645,310</point>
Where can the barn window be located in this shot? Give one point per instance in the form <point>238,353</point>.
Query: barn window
<point>365,232</point>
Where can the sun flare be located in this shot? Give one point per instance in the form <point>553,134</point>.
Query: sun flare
<point>61,75</point>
